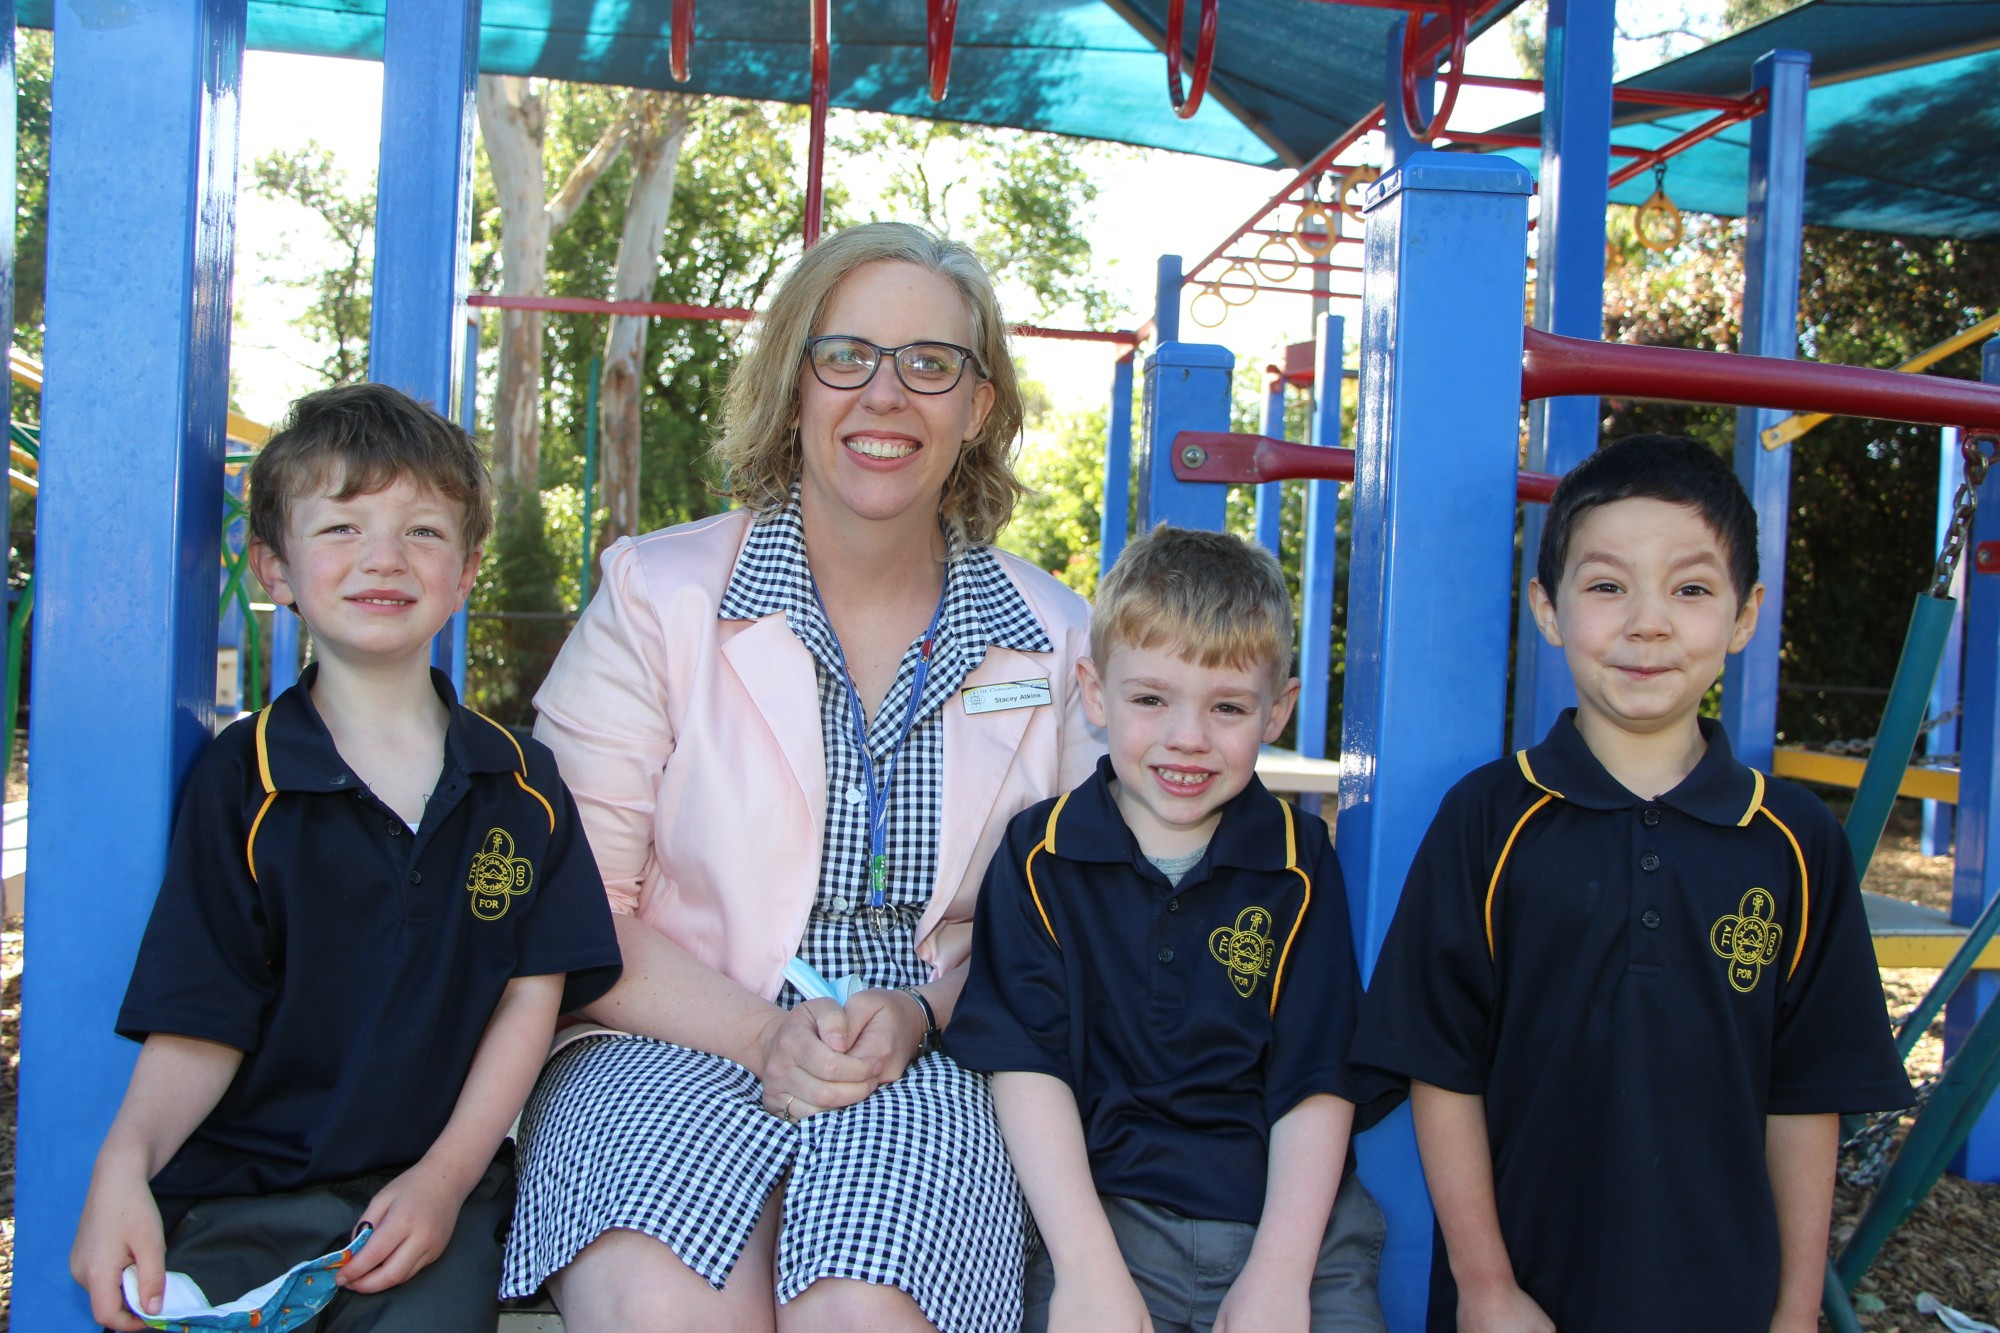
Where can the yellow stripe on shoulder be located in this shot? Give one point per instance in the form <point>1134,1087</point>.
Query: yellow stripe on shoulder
<point>1493,884</point>
<point>1528,772</point>
<point>521,778</point>
<point>1805,887</point>
<point>1756,799</point>
<point>250,843</point>
<point>1047,844</point>
<point>1291,864</point>
<point>264,750</point>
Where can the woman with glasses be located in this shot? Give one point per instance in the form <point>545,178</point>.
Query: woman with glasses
<point>795,734</point>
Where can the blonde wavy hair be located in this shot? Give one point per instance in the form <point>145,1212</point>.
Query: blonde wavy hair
<point>758,450</point>
<point>1210,598</point>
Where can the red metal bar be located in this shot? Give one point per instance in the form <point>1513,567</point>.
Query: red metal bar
<point>822,75</point>
<point>591,305</point>
<point>940,27</point>
<point>1420,59</point>
<point>1288,291</point>
<point>1553,366</point>
<point>1231,459</point>
<point>1491,139</point>
<point>1336,238</point>
<point>1345,141</point>
<point>1204,56</point>
<point>1645,96</point>
<point>681,39</point>
<point>1409,6</point>
<point>1123,337</point>
<point>1750,108</point>
<point>1313,265</point>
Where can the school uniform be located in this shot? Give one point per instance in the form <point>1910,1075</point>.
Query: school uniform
<point>1187,1019</point>
<point>1632,986</point>
<point>354,960</point>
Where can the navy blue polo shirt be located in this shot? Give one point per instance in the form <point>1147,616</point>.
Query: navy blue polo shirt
<point>1186,1020</point>
<point>1633,986</point>
<point>355,963</point>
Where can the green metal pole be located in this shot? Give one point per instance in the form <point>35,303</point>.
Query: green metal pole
<point>589,484</point>
<point>17,636</point>
<point>1902,722</point>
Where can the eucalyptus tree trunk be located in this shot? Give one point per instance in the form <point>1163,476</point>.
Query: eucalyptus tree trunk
<point>655,146</point>
<point>512,124</point>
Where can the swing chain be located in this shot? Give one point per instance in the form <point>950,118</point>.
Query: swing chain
<point>1979,448</point>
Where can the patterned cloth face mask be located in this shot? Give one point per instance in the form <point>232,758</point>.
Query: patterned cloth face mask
<point>283,1303</point>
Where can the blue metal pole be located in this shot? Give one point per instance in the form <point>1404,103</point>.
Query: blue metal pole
<point>284,650</point>
<point>141,236</point>
<point>1976,880</point>
<point>1776,226</point>
<point>1111,515</point>
<point>1187,388</point>
<point>423,214</point>
<point>1943,738</point>
<point>1569,299</point>
<point>1434,510</point>
<point>1319,559</point>
<point>1270,515</point>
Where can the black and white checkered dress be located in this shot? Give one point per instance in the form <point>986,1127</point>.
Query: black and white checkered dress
<point>910,1187</point>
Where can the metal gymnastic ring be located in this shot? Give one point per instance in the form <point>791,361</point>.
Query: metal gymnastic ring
<point>1667,234</point>
<point>1286,256</point>
<point>1208,292</point>
<point>1204,56</point>
<point>1458,15</point>
<point>1320,246</point>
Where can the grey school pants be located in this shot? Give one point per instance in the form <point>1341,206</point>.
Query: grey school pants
<point>229,1246</point>
<point>1184,1266</point>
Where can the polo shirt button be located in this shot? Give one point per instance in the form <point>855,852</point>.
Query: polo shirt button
<point>1173,904</point>
<point>416,877</point>
<point>395,827</point>
<point>1166,955</point>
<point>1651,919</point>
<point>1649,862</point>
<point>1652,818</point>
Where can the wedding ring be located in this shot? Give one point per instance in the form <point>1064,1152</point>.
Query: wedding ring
<point>786,1112</point>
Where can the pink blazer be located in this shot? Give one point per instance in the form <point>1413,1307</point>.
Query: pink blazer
<point>692,746</point>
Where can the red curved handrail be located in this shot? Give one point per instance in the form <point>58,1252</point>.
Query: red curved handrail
<point>1459,16</point>
<point>1204,56</point>
<point>681,40</point>
<point>940,27</point>
<point>1553,366</point>
<point>1233,459</point>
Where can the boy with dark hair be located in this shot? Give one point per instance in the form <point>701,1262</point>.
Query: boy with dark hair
<point>1630,979</point>
<point>376,903</point>
<point>1162,984</point>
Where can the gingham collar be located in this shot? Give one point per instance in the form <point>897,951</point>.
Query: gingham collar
<point>982,607</point>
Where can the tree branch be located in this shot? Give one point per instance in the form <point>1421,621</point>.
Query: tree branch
<point>594,164</point>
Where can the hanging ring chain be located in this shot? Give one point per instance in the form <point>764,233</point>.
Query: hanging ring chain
<point>1979,448</point>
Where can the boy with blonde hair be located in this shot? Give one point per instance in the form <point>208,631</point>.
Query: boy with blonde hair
<point>376,903</point>
<point>1163,985</point>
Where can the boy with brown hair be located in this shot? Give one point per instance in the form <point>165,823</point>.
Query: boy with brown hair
<point>1162,984</point>
<point>376,903</point>
<point>1629,978</point>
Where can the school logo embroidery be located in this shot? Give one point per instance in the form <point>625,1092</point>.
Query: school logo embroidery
<point>1748,941</point>
<point>497,876</point>
<point>1245,948</point>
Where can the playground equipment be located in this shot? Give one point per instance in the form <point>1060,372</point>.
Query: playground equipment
<point>144,140</point>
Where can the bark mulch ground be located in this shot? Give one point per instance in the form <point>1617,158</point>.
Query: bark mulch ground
<point>1950,1247</point>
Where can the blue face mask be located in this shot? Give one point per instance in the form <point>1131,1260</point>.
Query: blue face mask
<point>283,1303</point>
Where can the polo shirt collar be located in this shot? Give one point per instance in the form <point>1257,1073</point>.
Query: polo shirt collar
<point>296,752</point>
<point>982,607</point>
<point>1719,790</point>
<point>1255,832</point>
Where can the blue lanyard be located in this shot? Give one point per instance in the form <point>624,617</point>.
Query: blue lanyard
<point>878,797</point>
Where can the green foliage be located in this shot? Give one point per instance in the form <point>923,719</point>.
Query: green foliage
<point>1862,527</point>
<point>336,319</point>
<point>522,579</point>
<point>1056,526</point>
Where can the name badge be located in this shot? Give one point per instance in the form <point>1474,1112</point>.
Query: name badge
<point>1011,694</point>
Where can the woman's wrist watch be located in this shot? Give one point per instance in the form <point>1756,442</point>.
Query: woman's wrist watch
<point>930,1041</point>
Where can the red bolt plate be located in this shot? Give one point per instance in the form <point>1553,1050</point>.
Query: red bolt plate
<point>1986,557</point>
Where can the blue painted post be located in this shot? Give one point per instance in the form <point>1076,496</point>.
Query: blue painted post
<point>1436,463</point>
<point>1318,560</point>
<point>1943,738</point>
<point>141,235</point>
<point>1187,388</point>
<point>284,650</point>
<point>1976,881</point>
<point>1776,225</point>
<point>423,214</point>
<point>1569,299</point>
<point>1111,514</point>
<point>1270,514</point>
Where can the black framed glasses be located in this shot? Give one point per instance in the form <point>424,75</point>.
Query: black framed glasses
<point>842,361</point>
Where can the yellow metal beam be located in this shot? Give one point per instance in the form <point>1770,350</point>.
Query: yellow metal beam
<point>1792,427</point>
<point>27,370</point>
<point>1929,951</point>
<point>1842,770</point>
